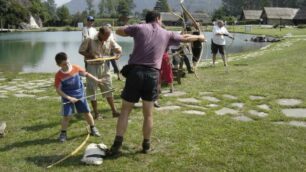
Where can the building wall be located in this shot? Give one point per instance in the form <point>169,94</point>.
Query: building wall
<point>277,21</point>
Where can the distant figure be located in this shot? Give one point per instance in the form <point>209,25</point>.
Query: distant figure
<point>218,41</point>
<point>114,62</point>
<point>69,86</point>
<point>89,31</point>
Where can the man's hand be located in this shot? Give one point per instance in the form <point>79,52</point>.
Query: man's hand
<point>101,81</point>
<point>72,99</point>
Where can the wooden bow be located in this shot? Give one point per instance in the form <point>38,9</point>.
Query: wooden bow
<point>197,27</point>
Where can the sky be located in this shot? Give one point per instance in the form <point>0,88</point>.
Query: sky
<point>61,2</point>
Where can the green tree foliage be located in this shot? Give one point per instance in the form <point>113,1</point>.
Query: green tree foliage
<point>90,7</point>
<point>16,13</point>
<point>162,6</point>
<point>63,16</point>
<point>123,8</point>
<point>50,7</point>
<point>102,5</point>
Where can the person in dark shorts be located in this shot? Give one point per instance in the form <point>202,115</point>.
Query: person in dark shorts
<point>218,41</point>
<point>150,43</point>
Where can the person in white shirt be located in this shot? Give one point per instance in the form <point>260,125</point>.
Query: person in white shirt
<point>218,41</point>
<point>89,31</point>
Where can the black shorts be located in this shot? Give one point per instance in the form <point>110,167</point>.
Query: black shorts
<point>141,82</point>
<point>215,48</point>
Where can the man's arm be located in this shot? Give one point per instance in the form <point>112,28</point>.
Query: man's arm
<point>84,49</point>
<point>192,38</point>
<point>120,31</point>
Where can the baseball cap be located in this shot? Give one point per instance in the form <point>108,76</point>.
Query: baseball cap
<point>90,18</point>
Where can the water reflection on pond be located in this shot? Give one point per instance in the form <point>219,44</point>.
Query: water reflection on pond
<point>35,51</point>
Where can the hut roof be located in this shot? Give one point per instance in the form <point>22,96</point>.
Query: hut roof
<point>251,14</point>
<point>201,17</point>
<point>283,13</point>
<point>301,14</point>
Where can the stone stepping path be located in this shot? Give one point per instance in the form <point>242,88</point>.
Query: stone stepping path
<point>297,123</point>
<point>264,107</point>
<point>3,96</point>
<point>295,113</point>
<point>289,102</point>
<point>2,79</point>
<point>231,97</point>
<point>167,108</point>
<point>138,105</point>
<point>194,112</point>
<point>257,97</point>
<point>189,100</point>
<point>243,118</point>
<point>175,94</point>
<point>237,105</point>
<point>205,93</point>
<point>225,111</point>
<point>211,99</point>
<point>24,95</point>
<point>43,98</point>
<point>257,113</point>
<point>194,107</point>
<point>212,105</point>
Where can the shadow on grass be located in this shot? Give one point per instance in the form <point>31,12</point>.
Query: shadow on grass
<point>45,161</point>
<point>40,126</point>
<point>40,142</point>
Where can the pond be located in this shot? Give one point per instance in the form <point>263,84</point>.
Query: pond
<point>35,51</point>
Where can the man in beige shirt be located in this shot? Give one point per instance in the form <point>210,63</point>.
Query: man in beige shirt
<point>99,47</point>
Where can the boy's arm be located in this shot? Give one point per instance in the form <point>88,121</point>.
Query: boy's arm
<point>61,93</point>
<point>99,81</point>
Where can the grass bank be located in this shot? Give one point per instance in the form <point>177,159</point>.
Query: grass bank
<point>181,142</point>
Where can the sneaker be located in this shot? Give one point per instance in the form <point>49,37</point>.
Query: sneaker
<point>62,137</point>
<point>94,132</point>
<point>145,147</point>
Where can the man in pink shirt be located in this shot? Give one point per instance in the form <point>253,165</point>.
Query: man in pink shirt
<point>150,43</point>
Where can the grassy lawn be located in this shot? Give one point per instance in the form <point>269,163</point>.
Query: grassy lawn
<point>181,142</point>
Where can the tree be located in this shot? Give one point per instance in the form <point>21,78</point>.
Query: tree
<point>4,6</point>
<point>50,7</point>
<point>123,8</point>
<point>162,6</point>
<point>90,7</point>
<point>16,14</point>
<point>102,5</point>
<point>63,15</point>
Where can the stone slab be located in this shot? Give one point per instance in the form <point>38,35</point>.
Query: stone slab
<point>257,113</point>
<point>256,97</point>
<point>188,100</point>
<point>243,118</point>
<point>297,123</point>
<point>237,105</point>
<point>205,93</point>
<point>24,95</point>
<point>194,112</point>
<point>225,111</point>
<point>43,98</point>
<point>295,113</point>
<point>228,96</point>
<point>3,96</point>
<point>195,107</point>
<point>289,102</point>
<point>211,99</point>
<point>212,105</point>
<point>167,108</point>
<point>264,107</point>
<point>175,94</point>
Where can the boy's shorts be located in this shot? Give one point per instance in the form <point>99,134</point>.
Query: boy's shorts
<point>81,107</point>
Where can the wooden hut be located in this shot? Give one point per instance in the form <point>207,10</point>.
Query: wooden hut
<point>170,19</point>
<point>251,16</point>
<point>300,17</point>
<point>277,15</point>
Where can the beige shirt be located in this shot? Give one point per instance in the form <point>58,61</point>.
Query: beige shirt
<point>97,48</point>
